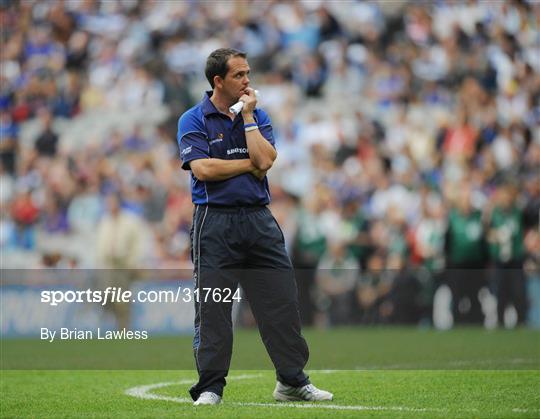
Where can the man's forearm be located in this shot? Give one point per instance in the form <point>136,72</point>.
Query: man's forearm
<point>218,169</point>
<point>261,153</point>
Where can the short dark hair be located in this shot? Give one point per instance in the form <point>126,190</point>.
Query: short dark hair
<point>216,64</point>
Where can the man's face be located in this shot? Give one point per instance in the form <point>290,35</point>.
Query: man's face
<point>505,197</point>
<point>236,81</point>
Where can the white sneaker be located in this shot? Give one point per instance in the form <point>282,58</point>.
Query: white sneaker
<point>207,397</point>
<point>309,393</point>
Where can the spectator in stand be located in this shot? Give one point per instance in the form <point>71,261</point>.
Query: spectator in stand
<point>308,248</point>
<point>531,212</point>
<point>401,304</point>
<point>8,142</point>
<point>55,219</point>
<point>428,244</point>
<point>506,242</point>
<point>460,140</point>
<point>336,278</point>
<point>24,213</point>
<point>466,257</point>
<point>372,288</point>
<point>47,142</point>
<point>120,237</point>
<point>86,208</point>
<point>356,226</point>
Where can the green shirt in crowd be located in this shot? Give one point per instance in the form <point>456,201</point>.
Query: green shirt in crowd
<point>465,238</point>
<point>310,239</point>
<point>507,231</point>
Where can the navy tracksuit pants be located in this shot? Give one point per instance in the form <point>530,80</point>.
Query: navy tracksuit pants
<point>232,245</point>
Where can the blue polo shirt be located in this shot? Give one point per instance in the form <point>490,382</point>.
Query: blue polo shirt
<point>204,132</point>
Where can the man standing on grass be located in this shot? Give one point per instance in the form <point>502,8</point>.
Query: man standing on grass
<point>234,236</point>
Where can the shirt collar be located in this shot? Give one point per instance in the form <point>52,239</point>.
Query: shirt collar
<point>209,108</point>
<point>207,105</point>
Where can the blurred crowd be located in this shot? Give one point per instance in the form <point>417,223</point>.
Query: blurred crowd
<point>408,140</point>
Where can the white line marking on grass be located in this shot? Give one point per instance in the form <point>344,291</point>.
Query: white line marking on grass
<point>144,392</point>
<point>521,410</point>
<point>513,361</point>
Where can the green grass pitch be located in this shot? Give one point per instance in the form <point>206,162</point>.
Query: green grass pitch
<point>386,373</point>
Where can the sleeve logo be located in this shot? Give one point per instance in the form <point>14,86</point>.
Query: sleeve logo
<point>186,151</point>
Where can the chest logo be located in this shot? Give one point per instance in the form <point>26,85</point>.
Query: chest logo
<point>218,139</point>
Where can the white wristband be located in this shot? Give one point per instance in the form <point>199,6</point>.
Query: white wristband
<point>248,129</point>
